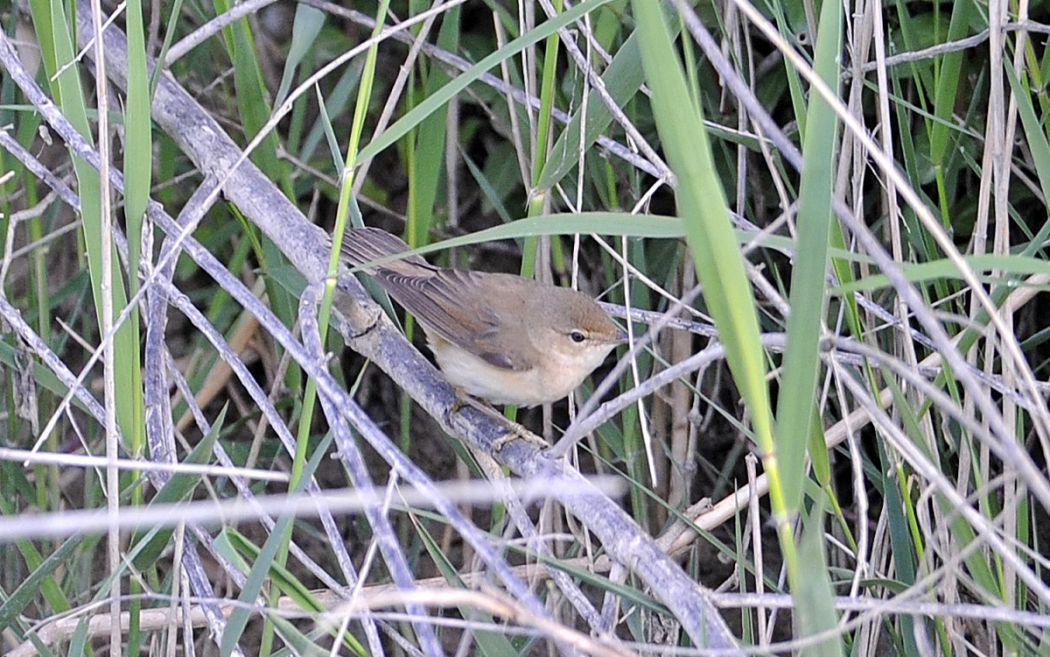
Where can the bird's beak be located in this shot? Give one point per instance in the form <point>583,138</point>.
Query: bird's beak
<point>621,336</point>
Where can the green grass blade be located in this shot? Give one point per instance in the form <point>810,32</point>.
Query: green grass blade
<point>254,109</point>
<point>138,156</point>
<point>44,27</point>
<point>127,374</point>
<point>622,79</point>
<point>1010,266</point>
<point>490,643</point>
<point>792,24</point>
<point>815,605</point>
<point>291,585</point>
<point>40,581</point>
<point>307,25</point>
<point>802,364</point>
<point>1033,131</point>
<point>413,118</point>
<point>429,149</point>
<point>262,566</point>
<point>701,203</point>
<point>709,232</point>
<point>947,85</point>
<point>177,489</point>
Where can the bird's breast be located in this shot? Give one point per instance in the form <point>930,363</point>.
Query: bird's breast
<point>497,385</point>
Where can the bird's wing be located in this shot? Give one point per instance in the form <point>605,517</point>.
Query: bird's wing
<point>446,302</point>
<point>455,305</point>
<point>364,245</point>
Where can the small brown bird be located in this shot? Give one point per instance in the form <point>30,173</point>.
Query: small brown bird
<point>498,337</point>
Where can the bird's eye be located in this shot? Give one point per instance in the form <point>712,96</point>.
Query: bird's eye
<point>577,336</point>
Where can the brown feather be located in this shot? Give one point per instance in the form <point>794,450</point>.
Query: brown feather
<point>429,292</point>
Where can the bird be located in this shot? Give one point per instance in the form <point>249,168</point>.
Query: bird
<point>501,338</point>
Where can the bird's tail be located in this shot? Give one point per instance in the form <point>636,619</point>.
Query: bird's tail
<point>362,246</point>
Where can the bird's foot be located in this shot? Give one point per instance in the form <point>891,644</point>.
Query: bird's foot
<point>514,431</point>
<point>517,432</point>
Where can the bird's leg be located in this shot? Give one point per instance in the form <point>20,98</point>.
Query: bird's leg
<point>518,431</point>
<point>462,400</point>
<point>515,430</point>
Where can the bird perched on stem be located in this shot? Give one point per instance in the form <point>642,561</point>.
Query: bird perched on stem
<point>498,337</point>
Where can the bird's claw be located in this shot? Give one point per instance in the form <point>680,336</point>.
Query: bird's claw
<point>514,432</point>
<point>518,432</point>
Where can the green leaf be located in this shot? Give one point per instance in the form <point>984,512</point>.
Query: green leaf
<point>712,241</point>
<point>944,98</point>
<point>814,602</point>
<point>305,28</point>
<point>138,169</point>
<point>413,118</point>
<point>944,269</point>
<point>147,546</point>
<point>702,206</point>
<point>428,148</point>
<point>1037,144</point>
<point>802,364</point>
<point>126,342</point>
<point>262,566</point>
<point>622,79</point>
<point>492,644</point>
<point>40,576</point>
